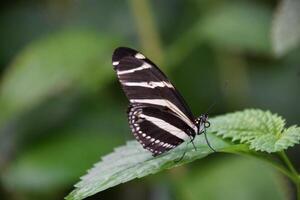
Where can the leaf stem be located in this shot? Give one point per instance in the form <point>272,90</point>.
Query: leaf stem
<point>268,159</point>
<point>244,151</point>
<point>292,169</point>
<point>288,162</point>
<point>285,167</point>
<point>278,166</point>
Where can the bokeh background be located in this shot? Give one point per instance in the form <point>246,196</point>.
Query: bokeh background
<point>61,107</point>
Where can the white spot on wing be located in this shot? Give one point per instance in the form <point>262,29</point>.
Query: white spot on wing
<point>139,56</point>
<point>115,63</point>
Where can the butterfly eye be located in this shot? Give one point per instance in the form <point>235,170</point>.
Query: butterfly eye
<point>207,124</point>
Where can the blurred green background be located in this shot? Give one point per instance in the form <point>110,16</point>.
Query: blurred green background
<point>61,107</point>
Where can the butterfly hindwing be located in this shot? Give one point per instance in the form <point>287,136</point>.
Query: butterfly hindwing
<point>156,129</point>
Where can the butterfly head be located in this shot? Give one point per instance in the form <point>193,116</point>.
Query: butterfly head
<point>202,123</point>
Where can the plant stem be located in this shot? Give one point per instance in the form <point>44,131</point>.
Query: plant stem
<point>147,30</point>
<point>292,169</point>
<point>271,161</point>
<point>288,162</point>
<point>288,170</point>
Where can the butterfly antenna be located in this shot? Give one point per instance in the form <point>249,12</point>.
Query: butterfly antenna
<point>206,139</point>
<point>211,106</point>
<point>215,101</point>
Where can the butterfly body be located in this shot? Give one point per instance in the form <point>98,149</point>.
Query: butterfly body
<point>158,115</point>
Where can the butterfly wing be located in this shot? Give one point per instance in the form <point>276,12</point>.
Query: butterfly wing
<point>146,87</point>
<point>157,129</point>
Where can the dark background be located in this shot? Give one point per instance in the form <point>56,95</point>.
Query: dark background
<point>61,107</point>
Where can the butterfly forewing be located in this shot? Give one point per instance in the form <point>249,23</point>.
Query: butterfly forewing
<point>156,107</point>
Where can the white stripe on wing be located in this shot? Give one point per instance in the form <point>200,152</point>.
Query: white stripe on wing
<point>150,84</point>
<point>170,105</point>
<point>143,66</point>
<point>166,126</point>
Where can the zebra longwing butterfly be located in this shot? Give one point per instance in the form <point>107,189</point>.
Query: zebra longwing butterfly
<point>158,116</point>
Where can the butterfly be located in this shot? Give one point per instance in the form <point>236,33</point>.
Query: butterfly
<point>158,115</point>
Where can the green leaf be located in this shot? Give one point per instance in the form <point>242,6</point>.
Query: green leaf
<point>286,27</point>
<point>262,130</point>
<point>62,61</point>
<point>56,162</point>
<point>132,161</point>
<point>238,25</point>
<point>234,25</point>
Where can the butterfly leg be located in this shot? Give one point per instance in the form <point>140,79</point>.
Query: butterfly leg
<point>192,141</point>
<point>206,139</point>
<point>176,161</point>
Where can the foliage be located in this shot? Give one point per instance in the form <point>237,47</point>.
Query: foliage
<point>43,70</point>
<point>128,162</point>
<point>61,106</point>
<point>286,27</point>
<point>51,164</point>
<point>237,181</point>
<point>262,130</point>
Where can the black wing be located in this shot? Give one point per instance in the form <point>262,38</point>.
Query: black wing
<point>156,129</point>
<point>148,88</point>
